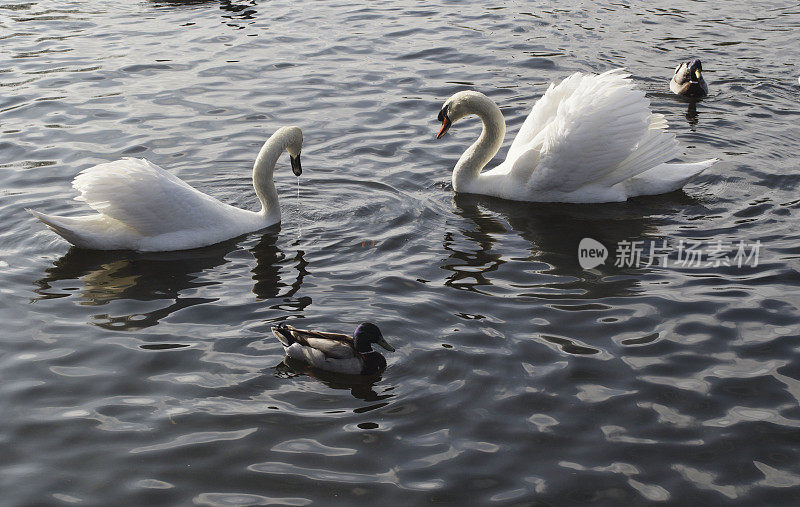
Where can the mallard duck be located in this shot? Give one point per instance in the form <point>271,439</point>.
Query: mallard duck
<point>688,80</point>
<point>336,352</point>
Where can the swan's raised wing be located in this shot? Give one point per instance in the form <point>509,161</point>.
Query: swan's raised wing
<point>602,132</point>
<point>542,113</point>
<point>145,197</point>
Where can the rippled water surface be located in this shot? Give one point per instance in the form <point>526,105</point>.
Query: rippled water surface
<point>519,377</point>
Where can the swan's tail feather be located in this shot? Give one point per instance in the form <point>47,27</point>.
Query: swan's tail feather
<point>655,148</point>
<point>89,231</point>
<point>665,178</point>
<point>60,225</point>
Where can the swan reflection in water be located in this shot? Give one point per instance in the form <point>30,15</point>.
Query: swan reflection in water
<point>551,232</point>
<point>542,272</point>
<point>106,276</point>
<point>236,13</point>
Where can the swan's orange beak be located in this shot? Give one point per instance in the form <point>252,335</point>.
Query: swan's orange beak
<point>445,124</point>
<point>445,127</point>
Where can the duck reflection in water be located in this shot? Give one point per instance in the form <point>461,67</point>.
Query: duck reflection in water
<point>691,114</point>
<point>102,277</point>
<point>361,387</point>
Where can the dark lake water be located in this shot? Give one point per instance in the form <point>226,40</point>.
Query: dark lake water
<point>519,377</point>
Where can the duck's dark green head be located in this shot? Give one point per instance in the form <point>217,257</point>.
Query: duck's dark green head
<point>366,334</point>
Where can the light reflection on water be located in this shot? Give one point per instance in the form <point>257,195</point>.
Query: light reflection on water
<point>519,376</point>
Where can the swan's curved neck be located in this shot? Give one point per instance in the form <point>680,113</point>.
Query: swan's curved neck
<point>476,157</point>
<point>263,170</point>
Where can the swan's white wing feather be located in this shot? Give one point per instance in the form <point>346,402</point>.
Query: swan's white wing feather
<point>542,113</point>
<point>145,197</point>
<point>594,130</point>
<point>654,148</point>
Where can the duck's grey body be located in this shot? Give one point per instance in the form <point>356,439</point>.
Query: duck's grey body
<point>335,352</point>
<point>688,80</point>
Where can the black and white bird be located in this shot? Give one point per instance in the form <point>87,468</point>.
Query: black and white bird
<point>336,352</point>
<point>688,80</point>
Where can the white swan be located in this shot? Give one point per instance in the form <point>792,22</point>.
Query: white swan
<point>592,138</point>
<point>143,207</point>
